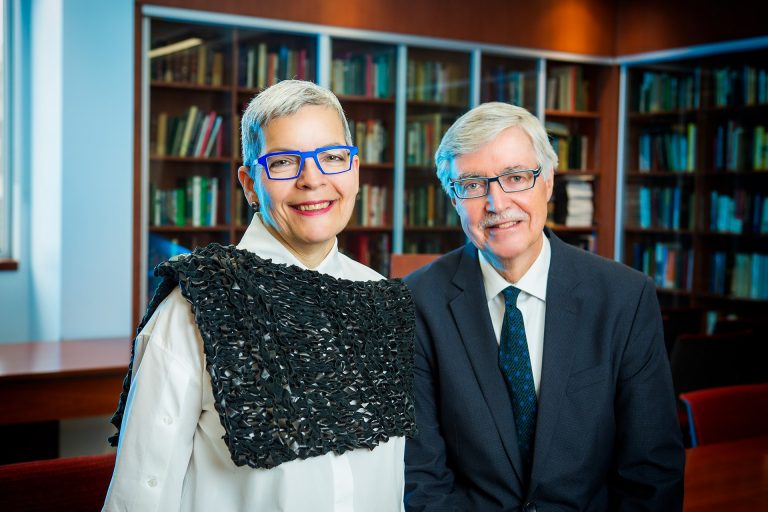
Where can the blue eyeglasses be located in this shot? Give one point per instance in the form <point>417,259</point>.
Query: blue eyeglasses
<point>287,165</point>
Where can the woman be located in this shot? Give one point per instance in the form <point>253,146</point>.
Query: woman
<point>277,374</point>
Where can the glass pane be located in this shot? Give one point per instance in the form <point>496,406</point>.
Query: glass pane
<point>696,180</point>
<point>438,93</point>
<point>363,77</point>
<point>509,80</point>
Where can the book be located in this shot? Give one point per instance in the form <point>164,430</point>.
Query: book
<point>188,128</point>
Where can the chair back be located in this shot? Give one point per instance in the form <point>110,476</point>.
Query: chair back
<point>682,320</point>
<point>700,361</point>
<point>70,483</point>
<point>403,264</point>
<point>726,413</point>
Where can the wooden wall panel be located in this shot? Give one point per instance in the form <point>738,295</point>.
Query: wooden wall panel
<point>653,25</point>
<point>580,26</point>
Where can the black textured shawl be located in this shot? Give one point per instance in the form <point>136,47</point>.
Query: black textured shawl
<point>301,363</point>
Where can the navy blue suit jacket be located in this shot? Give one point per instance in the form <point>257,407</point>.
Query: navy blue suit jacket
<point>607,436</point>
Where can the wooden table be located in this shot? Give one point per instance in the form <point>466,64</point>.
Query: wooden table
<point>70,379</point>
<point>730,476</point>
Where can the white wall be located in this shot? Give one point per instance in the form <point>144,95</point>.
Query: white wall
<point>74,277</point>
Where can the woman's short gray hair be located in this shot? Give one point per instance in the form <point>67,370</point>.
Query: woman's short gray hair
<point>282,99</point>
<point>480,126</point>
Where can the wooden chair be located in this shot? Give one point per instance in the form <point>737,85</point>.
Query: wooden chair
<point>726,413</point>
<point>70,483</point>
<point>403,264</point>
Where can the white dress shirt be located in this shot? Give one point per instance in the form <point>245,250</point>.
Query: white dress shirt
<point>171,455</point>
<point>531,302</point>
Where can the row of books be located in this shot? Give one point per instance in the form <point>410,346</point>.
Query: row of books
<point>371,206</point>
<point>194,134</point>
<point>669,264</point>
<point>572,203</point>
<point>567,89</point>
<point>160,249</point>
<point>430,245</point>
<point>194,202</point>
<point>740,86</point>
<point>371,138</point>
<point>741,274</point>
<point>370,249</point>
<point>669,149</point>
<point>501,84</point>
<point>737,148</point>
<point>423,134</point>
<point>428,205</point>
<point>259,66</point>
<point>363,75</point>
<point>439,82</point>
<point>586,241</point>
<point>572,149</point>
<point>665,92</point>
<point>660,207</point>
<point>200,65</point>
<point>741,212</point>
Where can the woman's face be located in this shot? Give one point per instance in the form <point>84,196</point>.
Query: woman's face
<point>309,211</point>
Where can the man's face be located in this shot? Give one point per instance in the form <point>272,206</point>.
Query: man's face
<point>506,227</point>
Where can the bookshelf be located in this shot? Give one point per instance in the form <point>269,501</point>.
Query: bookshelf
<point>201,77</point>
<point>437,94</point>
<point>575,124</point>
<point>362,75</point>
<point>696,179</point>
<point>400,93</point>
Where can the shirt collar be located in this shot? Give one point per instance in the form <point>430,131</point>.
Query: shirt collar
<point>260,241</point>
<point>533,282</point>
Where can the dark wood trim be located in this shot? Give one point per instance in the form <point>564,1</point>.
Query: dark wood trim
<point>605,196</point>
<point>137,227</point>
<point>585,27</point>
<point>8,264</point>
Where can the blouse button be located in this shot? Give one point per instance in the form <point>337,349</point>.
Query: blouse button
<point>152,482</point>
<point>167,420</point>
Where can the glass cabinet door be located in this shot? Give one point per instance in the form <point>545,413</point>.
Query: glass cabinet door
<point>190,139</point>
<point>437,94</point>
<point>363,77</point>
<point>573,121</point>
<point>509,80</point>
<point>696,184</point>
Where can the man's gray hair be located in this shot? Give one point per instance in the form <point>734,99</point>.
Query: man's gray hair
<point>480,126</point>
<point>283,99</point>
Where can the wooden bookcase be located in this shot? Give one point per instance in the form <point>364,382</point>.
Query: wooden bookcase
<point>574,121</point>
<point>696,180</point>
<point>400,94</point>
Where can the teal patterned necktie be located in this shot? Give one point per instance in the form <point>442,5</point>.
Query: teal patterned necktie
<point>515,364</point>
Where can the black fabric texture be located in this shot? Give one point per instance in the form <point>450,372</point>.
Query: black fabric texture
<point>301,363</point>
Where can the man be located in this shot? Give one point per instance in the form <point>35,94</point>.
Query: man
<point>541,378</point>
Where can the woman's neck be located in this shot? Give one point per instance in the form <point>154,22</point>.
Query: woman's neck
<point>310,255</point>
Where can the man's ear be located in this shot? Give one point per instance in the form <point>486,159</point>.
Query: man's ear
<point>246,181</point>
<point>550,183</point>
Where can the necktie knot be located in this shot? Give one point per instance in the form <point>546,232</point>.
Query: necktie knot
<point>510,296</point>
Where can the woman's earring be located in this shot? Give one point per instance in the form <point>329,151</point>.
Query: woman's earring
<point>255,207</point>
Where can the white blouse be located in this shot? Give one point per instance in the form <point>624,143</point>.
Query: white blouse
<point>171,455</point>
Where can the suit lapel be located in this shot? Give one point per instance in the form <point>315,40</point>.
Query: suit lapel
<point>470,311</point>
<point>561,321</point>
